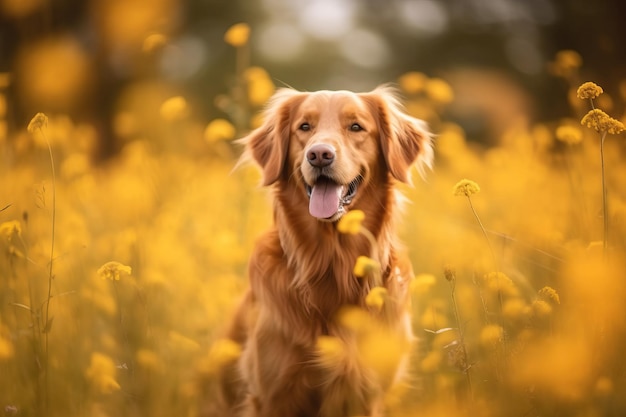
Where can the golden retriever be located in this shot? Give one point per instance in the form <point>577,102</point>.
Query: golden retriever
<point>325,153</point>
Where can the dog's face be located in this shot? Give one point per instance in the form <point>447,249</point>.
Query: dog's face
<point>332,144</point>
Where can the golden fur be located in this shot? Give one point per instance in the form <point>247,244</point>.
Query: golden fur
<point>301,271</point>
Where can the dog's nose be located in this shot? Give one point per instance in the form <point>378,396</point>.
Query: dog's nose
<point>320,155</point>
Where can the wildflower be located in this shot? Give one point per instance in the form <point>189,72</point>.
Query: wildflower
<point>588,90</point>
<point>466,188</point>
<point>541,309</point>
<point>10,229</point>
<point>350,223</point>
<point>376,298</point>
<point>449,273</point>
<point>7,350</point>
<point>491,334</point>
<point>514,309</point>
<point>549,294</point>
<point>412,82</point>
<point>112,270</point>
<point>422,284</point>
<point>500,283</point>
<point>237,35</point>
<point>148,359</point>
<point>431,361</point>
<point>569,59</point>
<point>569,134</point>
<point>260,85</point>
<point>601,122</point>
<point>365,265</point>
<point>101,373</point>
<point>154,42</point>
<point>174,108</point>
<point>224,351</point>
<point>331,350</point>
<point>439,91</point>
<point>39,121</point>
<point>219,129</point>
<point>354,318</point>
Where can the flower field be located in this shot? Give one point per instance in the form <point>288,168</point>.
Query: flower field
<point>117,277</point>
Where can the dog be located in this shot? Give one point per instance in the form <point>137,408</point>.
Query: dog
<point>324,154</point>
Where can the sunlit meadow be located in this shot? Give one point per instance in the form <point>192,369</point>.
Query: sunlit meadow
<point>118,276</point>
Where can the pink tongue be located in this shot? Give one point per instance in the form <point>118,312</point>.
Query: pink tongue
<point>325,198</point>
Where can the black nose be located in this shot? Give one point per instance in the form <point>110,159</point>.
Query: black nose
<point>320,155</point>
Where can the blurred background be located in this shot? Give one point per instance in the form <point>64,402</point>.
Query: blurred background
<point>125,231</point>
<point>494,53</point>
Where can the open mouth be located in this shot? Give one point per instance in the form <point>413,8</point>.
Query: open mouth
<point>327,198</point>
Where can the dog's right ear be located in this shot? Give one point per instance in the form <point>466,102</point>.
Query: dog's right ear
<point>268,145</point>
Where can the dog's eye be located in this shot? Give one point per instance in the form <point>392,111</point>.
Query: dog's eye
<point>305,127</point>
<point>355,127</point>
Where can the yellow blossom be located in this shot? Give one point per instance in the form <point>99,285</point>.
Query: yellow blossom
<point>549,294</point>
<point>260,85</point>
<point>515,309</point>
<point>588,90</point>
<point>237,35</point>
<point>565,63</point>
<point>7,350</point>
<point>439,91</point>
<point>491,334</point>
<point>101,373</point>
<point>422,284</point>
<point>10,229</point>
<point>376,298</point>
<point>569,134</point>
<point>601,122</point>
<point>219,129</point>
<point>331,350</point>
<point>148,359</point>
<point>541,308</point>
<point>174,108</point>
<point>112,270</point>
<point>39,121</point>
<point>412,82</point>
<point>154,42</point>
<point>499,283</point>
<point>223,352</point>
<point>431,361</point>
<point>365,265</point>
<point>350,223</point>
<point>466,188</point>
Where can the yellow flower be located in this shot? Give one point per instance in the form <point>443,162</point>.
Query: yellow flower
<point>376,298</point>
<point>439,91</point>
<point>569,134</point>
<point>601,122</point>
<point>331,350</point>
<point>10,229</point>
<point>466,188</point>
<point>224,351</point>
<point>541,309</point>
<point>112,270</point>
<point>154,42</point>
<point>431,361</point>
<point>350,223</point>
<point>549,294</point>
<point>39,121</point>
<point>148,359</point>
<point>219,129</point>
<point>101,373</point>
<point>422,284</point>
<point>589,90</point>
<point>365,265</point>
<point>260,85</point>
<point>7,351</point>
<point>491,334</point>
<point>237,35</point>
<point>412,82</point>
<point>174,108</point>
<point>568,59</point>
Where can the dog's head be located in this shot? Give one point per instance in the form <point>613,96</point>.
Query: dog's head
<point>332,144</point>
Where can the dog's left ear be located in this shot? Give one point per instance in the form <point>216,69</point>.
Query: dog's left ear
<point>405,140</point>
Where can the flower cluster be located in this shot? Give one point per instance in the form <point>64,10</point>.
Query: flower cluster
<point>601,122</point>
